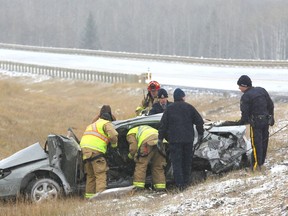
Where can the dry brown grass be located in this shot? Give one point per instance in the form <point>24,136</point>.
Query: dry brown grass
<point>29,111</point>
<point>49,208</point>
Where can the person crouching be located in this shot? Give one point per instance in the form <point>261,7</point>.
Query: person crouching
<point>143,149</point>
<point>94,144</point>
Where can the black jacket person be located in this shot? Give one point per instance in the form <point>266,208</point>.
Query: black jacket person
<point>257,109</point>
<point>177,127</point>
<point>161,105</point>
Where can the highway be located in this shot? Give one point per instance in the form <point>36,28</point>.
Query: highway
<point>165,72</point>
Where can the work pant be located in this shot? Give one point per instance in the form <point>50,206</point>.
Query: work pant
<point>158,162</point>
<point>95,175</point>
<point>259,134</point>
<point>181,155</point>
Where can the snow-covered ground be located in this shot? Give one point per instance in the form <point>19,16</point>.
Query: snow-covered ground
<point>241,193</point>
<point>169,73</point>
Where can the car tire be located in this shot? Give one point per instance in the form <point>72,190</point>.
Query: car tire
<point>42,189</point>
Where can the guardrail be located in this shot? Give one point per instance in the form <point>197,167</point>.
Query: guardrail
<point>170,58</point>
<point>70,73</point>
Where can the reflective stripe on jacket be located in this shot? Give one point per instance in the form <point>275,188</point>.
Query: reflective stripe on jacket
<point>142,133</point>
<point>94,137</point>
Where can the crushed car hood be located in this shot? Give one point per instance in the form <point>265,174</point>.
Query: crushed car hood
<point>31,153</point>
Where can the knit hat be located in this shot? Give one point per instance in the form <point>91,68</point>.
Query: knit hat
<point>162,93</point>
<point>107,109</point>
<point>178,94</point>
<point>244,81</point>
<point>106,116</point>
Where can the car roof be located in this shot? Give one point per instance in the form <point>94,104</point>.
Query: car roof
<point>139,120</point>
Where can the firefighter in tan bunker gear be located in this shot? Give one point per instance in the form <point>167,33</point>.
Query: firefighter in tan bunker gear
<point>94,144</point>
<point>149,99</point>
<point>142,148</point>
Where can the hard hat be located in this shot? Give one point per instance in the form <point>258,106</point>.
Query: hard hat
<point>153,85</point>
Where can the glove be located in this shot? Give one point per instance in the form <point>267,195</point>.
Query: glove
<point>200,139</point>
<point>271,120</point>
<point>160,144</point>
<point>113,145</point>
<point>199,142</point>
<point>129,156</point>
<point>160,147</point>
<point>139,110</point>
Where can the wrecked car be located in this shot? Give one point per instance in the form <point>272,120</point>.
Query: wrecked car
<point>40,173</point>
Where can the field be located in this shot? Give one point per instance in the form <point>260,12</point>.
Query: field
<point>31,108</point>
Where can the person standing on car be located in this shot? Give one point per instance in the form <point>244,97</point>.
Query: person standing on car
<point>257,109</point>
<point>177,127</point>
<point>94,144</point>
<point>142,148</point>
<point>104,109</point>
<point>162,103</point>
<point>149,99</point>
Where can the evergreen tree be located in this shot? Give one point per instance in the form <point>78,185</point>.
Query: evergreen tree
<point>90,38</point>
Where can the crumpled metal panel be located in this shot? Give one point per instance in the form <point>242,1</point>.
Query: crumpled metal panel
<point>223,147</point>
<point>64,154</point>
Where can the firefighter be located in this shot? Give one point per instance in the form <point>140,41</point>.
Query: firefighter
<point>149,99</point>
<point>257,109</point>
<point>94,144</point>
<point>142,148</point>
<point>162,103</point>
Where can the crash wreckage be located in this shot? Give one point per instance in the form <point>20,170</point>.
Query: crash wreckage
<point>57,169</point>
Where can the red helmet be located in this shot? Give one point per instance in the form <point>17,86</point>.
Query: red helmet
<point>153,85</point>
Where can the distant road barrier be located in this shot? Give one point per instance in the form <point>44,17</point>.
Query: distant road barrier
<point>170,58</point>
<point>70,73</point>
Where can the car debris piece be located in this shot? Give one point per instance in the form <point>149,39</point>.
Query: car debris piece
<point>113,193</point>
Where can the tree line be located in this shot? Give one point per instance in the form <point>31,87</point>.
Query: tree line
<point>237,29</point>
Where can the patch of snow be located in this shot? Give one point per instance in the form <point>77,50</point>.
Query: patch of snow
<point>279,169</point>
<point>35,77</point>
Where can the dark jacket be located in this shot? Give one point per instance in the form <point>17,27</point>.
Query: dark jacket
<point>157,108</point>
<point>177,123</point>
<point>255,102</point>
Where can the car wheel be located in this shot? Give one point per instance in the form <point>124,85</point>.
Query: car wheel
<point>43,189</point>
